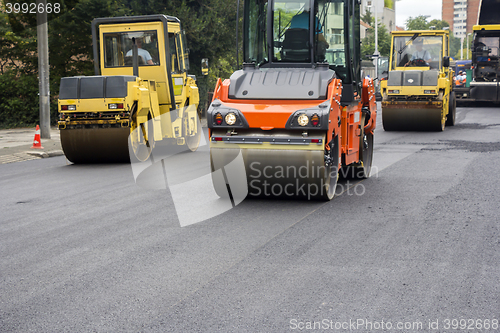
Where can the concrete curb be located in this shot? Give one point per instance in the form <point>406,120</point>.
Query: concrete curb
<point>28,155</point>
<point>45,154</point>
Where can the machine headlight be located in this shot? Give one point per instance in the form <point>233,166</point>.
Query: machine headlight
<point>303,119</point>
<point>115,106</point>
<point>230,118</point>
<point>68,107</point>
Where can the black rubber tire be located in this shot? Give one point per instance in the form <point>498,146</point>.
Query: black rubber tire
<point>367,157</point>
<point>192,142</point>
<point>142,149</point>
<point>452,110</point>
<point>331,178</point>
<point>366,152</point>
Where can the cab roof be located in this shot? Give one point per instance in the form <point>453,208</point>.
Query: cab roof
<point>420,32</point>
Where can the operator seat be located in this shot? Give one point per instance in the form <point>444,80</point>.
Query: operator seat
<point>128,61</point>
<point>296,46</point>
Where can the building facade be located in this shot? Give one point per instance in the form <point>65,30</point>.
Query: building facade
<point>461,15</point>
<point>385,11</point>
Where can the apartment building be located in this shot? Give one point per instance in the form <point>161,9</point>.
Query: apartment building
<point>385,11</point>
<point>461,15</point>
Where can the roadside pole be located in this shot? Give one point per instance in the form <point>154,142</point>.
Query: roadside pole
<point>43,69</point>
<point>376,53</point>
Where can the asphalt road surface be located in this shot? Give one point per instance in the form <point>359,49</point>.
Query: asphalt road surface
<point>414,248</point>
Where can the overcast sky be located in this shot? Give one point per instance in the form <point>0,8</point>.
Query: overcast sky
<point>414,8</point>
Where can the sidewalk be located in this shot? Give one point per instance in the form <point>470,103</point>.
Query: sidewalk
<point>15,145</point>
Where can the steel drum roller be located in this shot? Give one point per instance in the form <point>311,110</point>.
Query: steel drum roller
<point>96,145</point>
<point>414,118</point>
<point>287,173</point>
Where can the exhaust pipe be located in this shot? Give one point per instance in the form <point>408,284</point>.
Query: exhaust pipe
<point>135,58</point>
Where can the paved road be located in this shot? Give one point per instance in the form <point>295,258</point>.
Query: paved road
<point>83,248</point>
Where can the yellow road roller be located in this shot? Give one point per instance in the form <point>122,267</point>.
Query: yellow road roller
<point>418,92</point>
<point>298,113</point>
<point>140,82</point>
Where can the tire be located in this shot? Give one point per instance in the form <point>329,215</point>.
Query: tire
<point>142,139</point>
<point>365,158</point>
<point>452,110</point>
<point>332,172</point>
<point>192,141</point>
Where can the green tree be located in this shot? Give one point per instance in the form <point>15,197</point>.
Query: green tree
<point>18,71</point>
<point>420,23</point>
<point>438,24</point>
<point>70,36</point>
<point>209,25</point>
<point>384,41</point>
<point>417,23</point>
<point>367,17</point>
<point>70,53</point>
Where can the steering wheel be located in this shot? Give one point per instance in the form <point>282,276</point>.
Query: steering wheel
<point>417,63</point>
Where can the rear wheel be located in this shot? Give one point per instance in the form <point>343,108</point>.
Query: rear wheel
<point>366,151</point>
<point>452,110</point>
<point>443,123</point>
<point>362,171</point>
<point>330,178</point>
<point>141,138</point>
<point>192,132</point>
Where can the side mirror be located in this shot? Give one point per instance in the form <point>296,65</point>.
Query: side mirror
<point>204,66</point>
<point>446,61</point>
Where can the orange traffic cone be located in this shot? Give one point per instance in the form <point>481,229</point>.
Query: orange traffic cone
<point>37,144</point>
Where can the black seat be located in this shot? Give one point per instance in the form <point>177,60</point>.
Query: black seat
<point>296,46</point>
<point>128,61</point>
<point>404,60</point>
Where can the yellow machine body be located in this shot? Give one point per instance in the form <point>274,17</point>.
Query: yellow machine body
<point>418,93</point>
<point>161,99</point>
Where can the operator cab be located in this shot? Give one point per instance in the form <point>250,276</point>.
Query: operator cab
<point>486,54</point>
<point>303,35</point>
<point>162,54</point>
<point>418,50</point>
<point>118,48</point>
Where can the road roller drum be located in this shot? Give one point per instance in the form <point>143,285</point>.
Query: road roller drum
<point>399,117</point>
<point>272,169</point>
<point>96,145</point>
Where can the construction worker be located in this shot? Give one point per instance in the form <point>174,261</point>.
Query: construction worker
<point>460,78</point>
<point>420,53</point>
<point>301,21</point>
<point>142,53</point>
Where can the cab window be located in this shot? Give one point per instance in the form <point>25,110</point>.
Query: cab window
<point>118,48</point>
